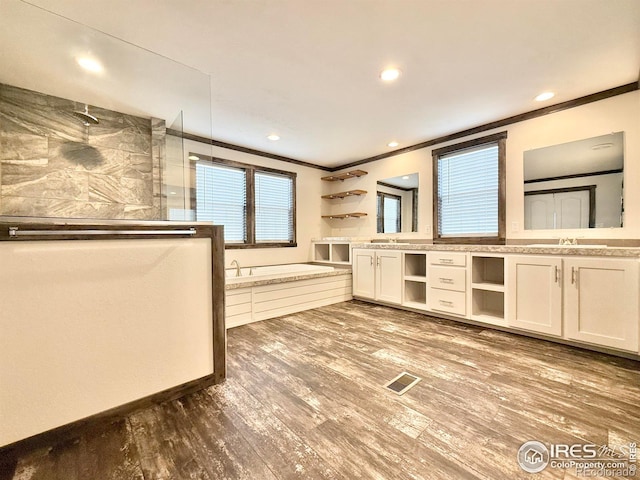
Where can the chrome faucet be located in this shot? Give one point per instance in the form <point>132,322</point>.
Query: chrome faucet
<point>238,272</point>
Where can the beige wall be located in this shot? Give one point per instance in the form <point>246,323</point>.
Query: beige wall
<point>620,113</point>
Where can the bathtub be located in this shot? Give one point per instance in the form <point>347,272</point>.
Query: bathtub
<point>253,274</point>
<point>261,293</point>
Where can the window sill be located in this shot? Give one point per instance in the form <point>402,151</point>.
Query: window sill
<point>237,246</point>
<point>470,240</point>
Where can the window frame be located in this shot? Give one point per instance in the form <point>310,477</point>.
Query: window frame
<point>498,139</point>
<point>250,220</point>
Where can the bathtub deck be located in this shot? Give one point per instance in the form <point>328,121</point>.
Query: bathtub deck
<point>264,299</point>
<point>303,400</point>
<point>246,282</point>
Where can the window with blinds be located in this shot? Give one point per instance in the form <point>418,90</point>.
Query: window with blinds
<point>468,182</point>
<point>256,205</point>
<point>221,198</point>
<point>274,207</point>
<point>468,193</point>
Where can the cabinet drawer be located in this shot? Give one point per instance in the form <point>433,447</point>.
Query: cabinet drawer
<point>447,301</point>
<point>448,278</point>
<point>446,258</point>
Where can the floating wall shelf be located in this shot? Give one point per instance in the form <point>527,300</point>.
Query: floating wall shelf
<point>346,215</point>
<point>344,176</point>
<point>350,193</point>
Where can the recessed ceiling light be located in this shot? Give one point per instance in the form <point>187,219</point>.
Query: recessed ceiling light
<point>273,137</point>
<point>389,74</point>
<point>545,96</point>
<point>173,193</point>
<point>90,64</point>
<point>393,144</point>
<point>406,177</point>
<point>193,157</point>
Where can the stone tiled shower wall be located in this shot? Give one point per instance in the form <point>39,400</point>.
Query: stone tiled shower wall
<point>51,165</point>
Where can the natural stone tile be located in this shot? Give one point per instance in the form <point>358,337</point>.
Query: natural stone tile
<point>46,207</point>
<point>61,184</point>
<point>83,157</point>
<point>53,165</point>
<point>139,192</point>
<point>107,188</point>
<point>141,212</point>
<point>26,111</point>
<point>138,166</point>
<point>124,132</point>
<point>22,146</point>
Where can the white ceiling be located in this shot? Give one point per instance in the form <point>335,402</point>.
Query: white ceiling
<point>308,69</point>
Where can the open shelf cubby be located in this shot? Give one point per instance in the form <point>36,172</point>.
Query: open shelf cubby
<point>340,253</point>
<point>415,265</point>
<point>487,270</point>
<point>487,305</point>
<point>321,252</point>
<point>415,293</point>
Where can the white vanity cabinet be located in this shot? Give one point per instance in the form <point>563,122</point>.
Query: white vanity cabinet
<point>534,293</point>
<point>584,299</point>
<point>601,301</point>
<point>600,298</point>
<point>447,281</point>
<point>364,273</point>
<point>377,274</point>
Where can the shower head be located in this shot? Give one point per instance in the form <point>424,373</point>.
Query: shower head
<point>86,117</point>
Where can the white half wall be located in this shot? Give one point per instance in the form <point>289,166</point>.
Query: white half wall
<point>89,325</point>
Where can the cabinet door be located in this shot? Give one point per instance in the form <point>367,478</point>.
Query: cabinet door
<point>364,273</point>
<point>389,276</point>
<point>534,294</point>
<point>601,302</point>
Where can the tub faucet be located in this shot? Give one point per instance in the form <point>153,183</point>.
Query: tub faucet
<point>238,272</point>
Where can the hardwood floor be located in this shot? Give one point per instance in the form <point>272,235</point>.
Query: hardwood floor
<point>304,399</point>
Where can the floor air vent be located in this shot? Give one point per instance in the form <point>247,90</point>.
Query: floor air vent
<point>402,383</point>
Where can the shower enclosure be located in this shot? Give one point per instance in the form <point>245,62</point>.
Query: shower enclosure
<point>91,126</point>
<point>107,303</point>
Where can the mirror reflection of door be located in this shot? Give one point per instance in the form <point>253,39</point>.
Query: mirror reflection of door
<point>561,208</point>
<point>569,167</point>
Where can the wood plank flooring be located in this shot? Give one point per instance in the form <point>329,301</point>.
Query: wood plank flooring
<point>304,400</point>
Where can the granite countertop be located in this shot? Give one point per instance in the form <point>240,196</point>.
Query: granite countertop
<point>595,251</point>
<point>272,281</point>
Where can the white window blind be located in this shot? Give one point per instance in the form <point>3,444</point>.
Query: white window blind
<point>274,207</point>
<point>468,192</point>
<point>221,198</point>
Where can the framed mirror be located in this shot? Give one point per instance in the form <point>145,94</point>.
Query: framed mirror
<point>575,185</point>
<point>397,199</point>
